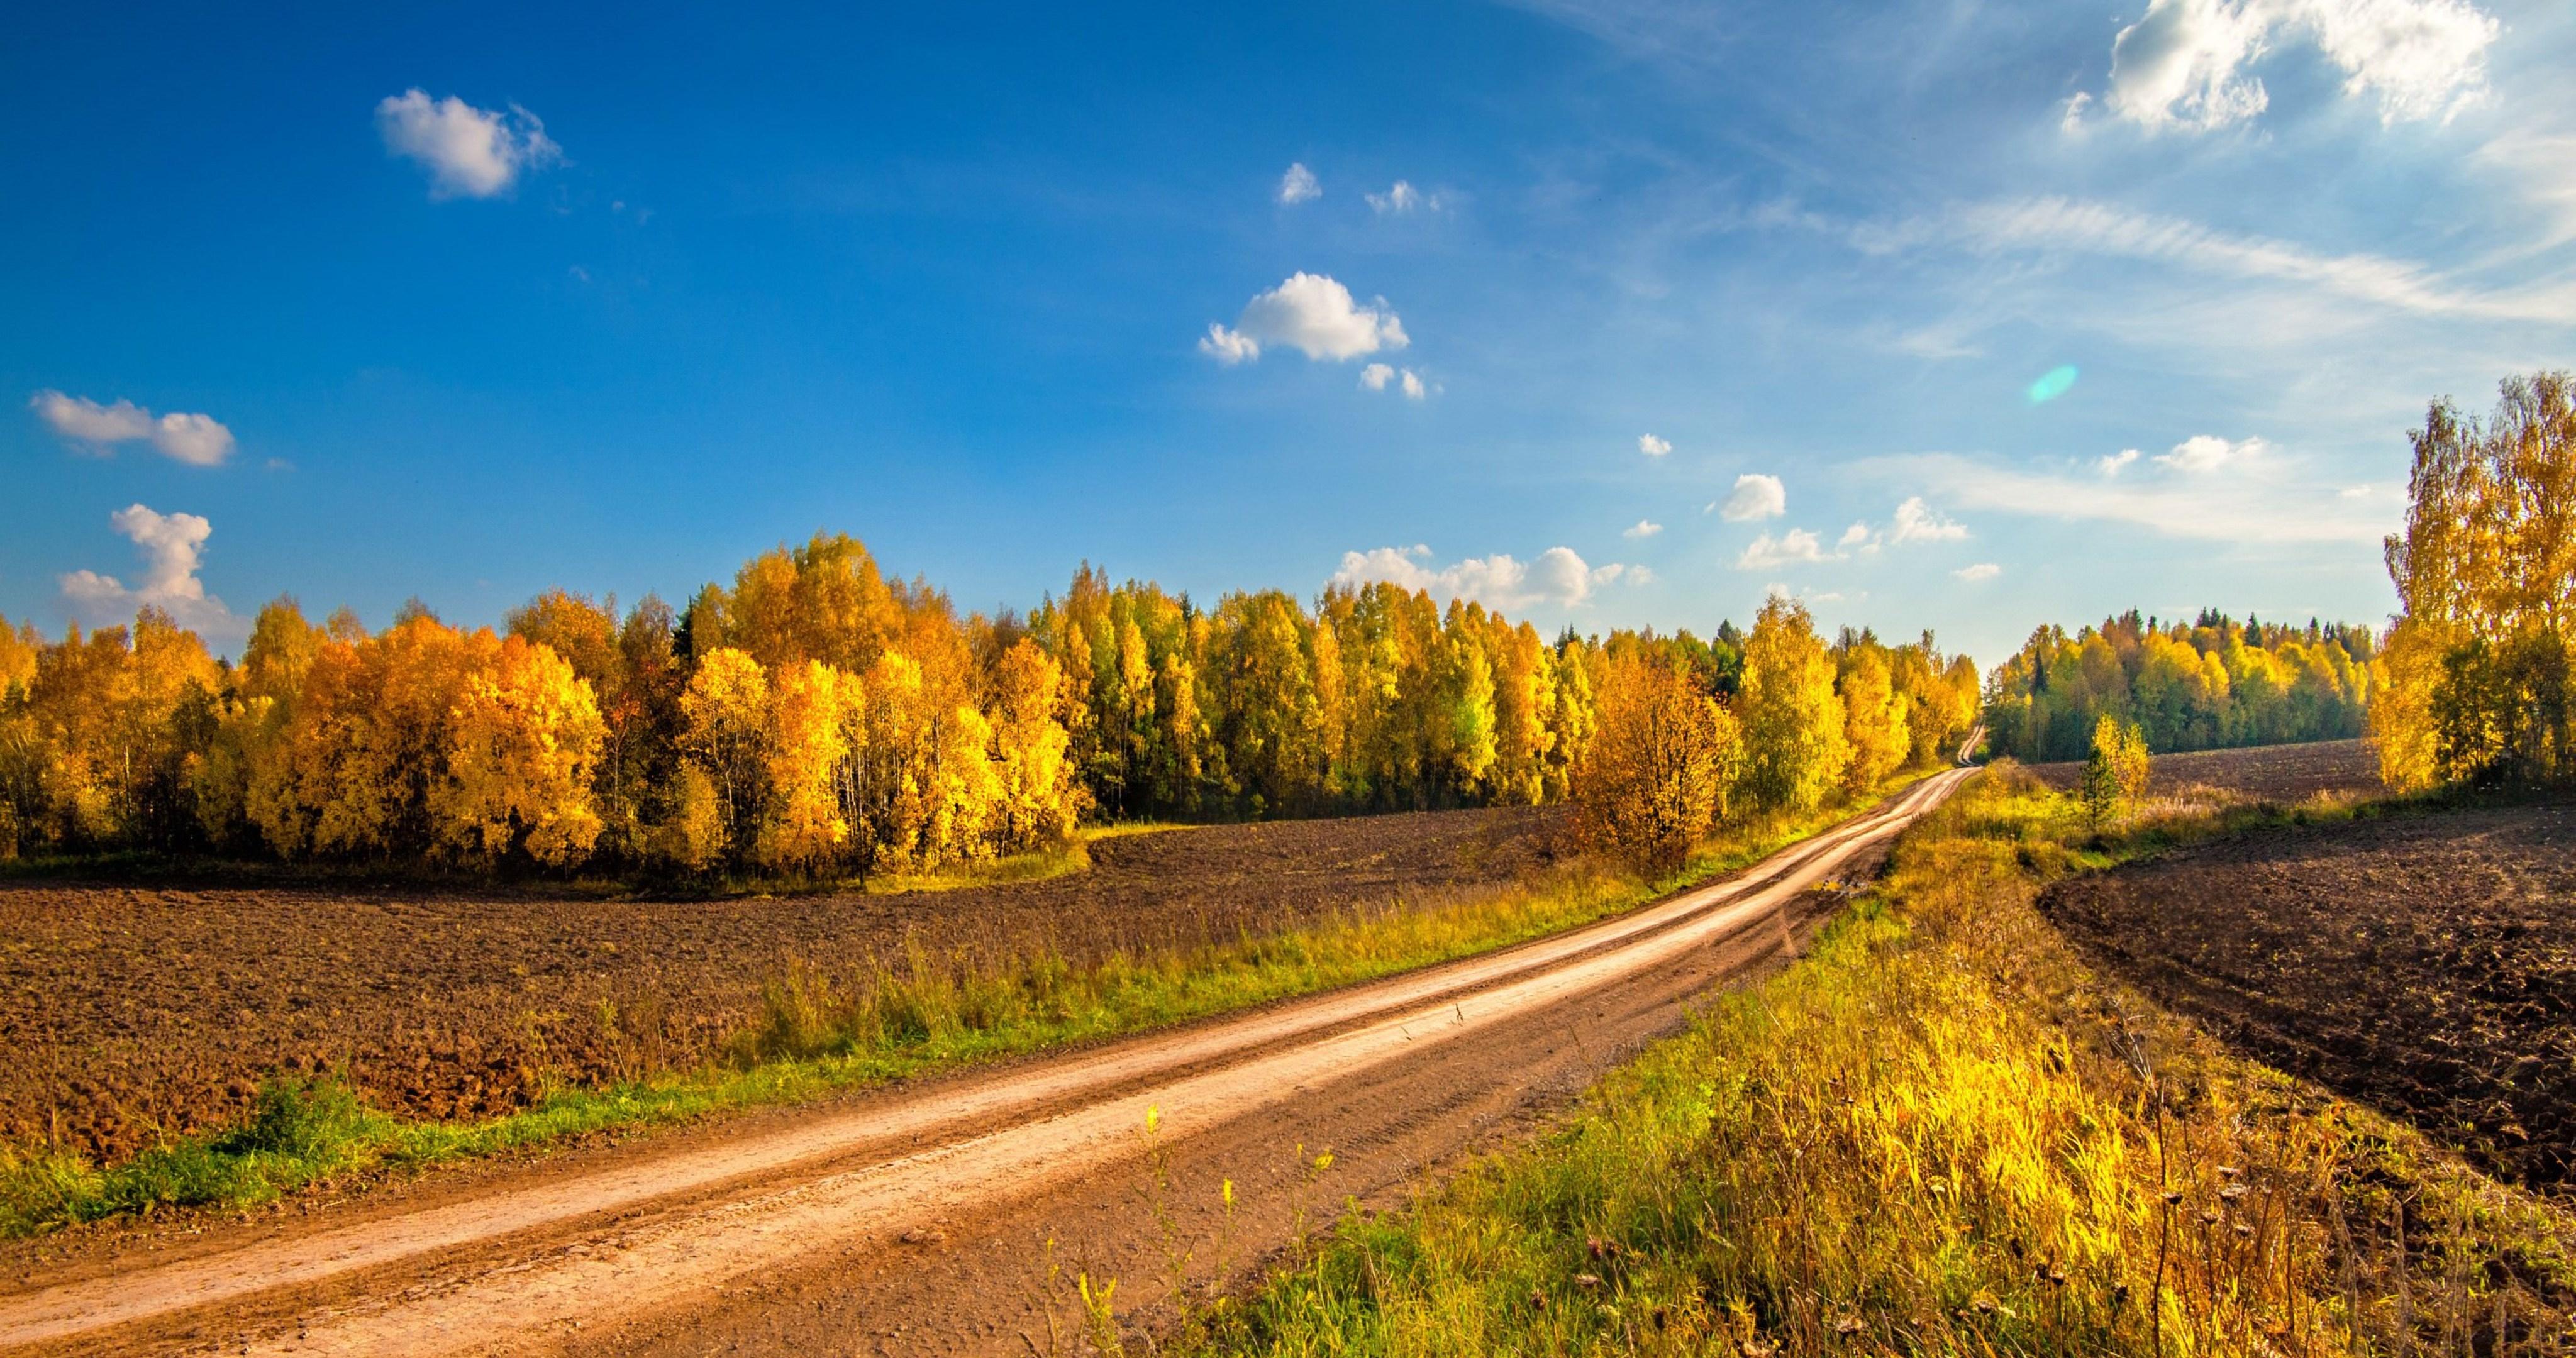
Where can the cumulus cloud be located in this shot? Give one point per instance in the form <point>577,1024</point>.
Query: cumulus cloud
<point>1644,528</point>
<point>1652,446</point>
<point>1376,376</point>
<point>1308,312</point>
<point>1915,522</point>
<point>1755,496</point>
<point>199,440</point>
<point>2189,64</point>
<point>1558,578</point>
<point>469,152</point>
<point>1299,186</point>
<point>172,548</point>
<point>1796,545</point>
<point>1228,347</point>
<point>2111,464</point>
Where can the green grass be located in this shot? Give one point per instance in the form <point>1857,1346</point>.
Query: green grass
<point>821,1033</point>
<point>1940,1133</point>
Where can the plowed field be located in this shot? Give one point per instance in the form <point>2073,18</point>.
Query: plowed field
<point>2279,773</point>
<point>133,1012</point>
<point>2425,964</point>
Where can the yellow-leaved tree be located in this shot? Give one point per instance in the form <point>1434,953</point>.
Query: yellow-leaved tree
<point>724,729</point>
<point>525,737</point>
<point>1874,720</point>
<point>1796,745</point>
<point>1041,797</point>
<point>805,753</point>
<point>1658,774</point>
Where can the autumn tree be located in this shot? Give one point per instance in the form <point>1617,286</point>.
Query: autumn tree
<point>1659,773</point>
<point>2115,777</point>
<point>526,736</point>
<point>2481,661</point>
<point>1874,720</point>
<point>1796,746</point>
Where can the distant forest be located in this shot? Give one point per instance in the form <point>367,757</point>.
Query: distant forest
<point>2211,683</point>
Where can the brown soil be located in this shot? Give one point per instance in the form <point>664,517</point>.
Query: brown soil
<point>135,1013</point>
<point>2276,773</point>
<point>2424,964</point>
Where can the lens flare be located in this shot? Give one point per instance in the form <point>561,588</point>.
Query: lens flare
<point>2053,385</point>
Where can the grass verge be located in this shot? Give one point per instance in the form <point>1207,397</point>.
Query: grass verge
<point>1941,1133</point>
<point>818,1033</point>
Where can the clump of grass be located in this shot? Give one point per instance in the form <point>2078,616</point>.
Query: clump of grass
<point>816,1032</point>
<point>1940,1134</point>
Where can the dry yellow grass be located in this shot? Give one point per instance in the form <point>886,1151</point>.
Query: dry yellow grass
<point>1940,1133</point>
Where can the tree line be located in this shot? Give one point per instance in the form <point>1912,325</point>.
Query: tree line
<point>2208,684</point>
<point>817,718</point>
<point>2478,663</point>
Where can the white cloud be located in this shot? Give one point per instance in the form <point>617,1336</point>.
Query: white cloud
<point>199,440</point>
<point>1229,347</point>
<point>1299,186</point>
<point>1915,522</point>
<point>2111,464</point>
<point>1310,312</point>
<point>2539,165</point>
<point>1402,198</point>
<point>1375,377</point>
<point>470,152</point>
<point>2236,499</point>
<point>1755,496</point>
<point>1983,570</point>
<point>2096,228</point>
<point>2188,64</point>
<point>2208,453</point>
<point>1645,528</point>
<point>1652,446</point>
<point>172,547</point>
<point>1857,536</point>
<point>1796,545</point>
<point>1558,578</point>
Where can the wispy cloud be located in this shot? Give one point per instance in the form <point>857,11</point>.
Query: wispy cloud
<point>1299,185</point>
<point>2206,488</point>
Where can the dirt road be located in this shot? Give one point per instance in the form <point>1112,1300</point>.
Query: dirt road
<point>914,1221</point>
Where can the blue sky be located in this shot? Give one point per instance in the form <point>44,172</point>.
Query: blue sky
<point>1608,313</point>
